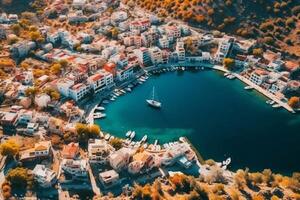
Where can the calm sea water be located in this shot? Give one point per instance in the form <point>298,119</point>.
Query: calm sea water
<point>15,6</point>
<point>219,117</point>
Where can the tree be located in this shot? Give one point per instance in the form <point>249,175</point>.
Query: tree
<point>258,52</point>
<point>228,63</point>
<point>16,28</point>
<point>31,92</point>
<point>9,148</point>
<point>54,94</point>
<point>114,32</point>
<point>55,68</point>
<point>18,177</point>
<point>116,143</point>
<point>294,102</point>
<point>64,63</point>
<point>35,36</point>
<point>85,132</point>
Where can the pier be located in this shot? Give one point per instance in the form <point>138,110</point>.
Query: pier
<point>199,156</point>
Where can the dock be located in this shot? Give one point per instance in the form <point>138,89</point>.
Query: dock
<point>199,156</point>
<point>264,92</point>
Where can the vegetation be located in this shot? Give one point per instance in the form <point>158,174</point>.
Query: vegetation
<point>268,21</point>
<point>19,177</point>
<point>6,190</point>
<point>116,143</point>
<point>86,132</point>
<point>9,148</point>
<point>54,94</point>
<point>228,63</point>
<point>294,102</point>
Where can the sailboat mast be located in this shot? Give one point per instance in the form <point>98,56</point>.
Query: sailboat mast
<point>153,93</point>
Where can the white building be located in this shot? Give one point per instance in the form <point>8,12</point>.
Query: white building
<point>100,81</point>
<point>99,150</point>
<point>120,159</point>
<point>180,50</point>
<point>78,3</point>
<point>223,49</point>
<point>109,178</point>
<point>163,42</point>
<point>140,25</point>
<point>41,150</point>
<point>258,76</point>
<point>155,55</point>
<point>44,176</point>
<point>79,91</point>
<point>119,16</point>
<point>63,86</point>
<point>125,73</point>
<point>42,100</point>
<point>173,31</point>
<point>143,56</point>
<point>141,162</point>
<point>76,168</point>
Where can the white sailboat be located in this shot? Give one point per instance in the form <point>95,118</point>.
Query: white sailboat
<point>152,102</point>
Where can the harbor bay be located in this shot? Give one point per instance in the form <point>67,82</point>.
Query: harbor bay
<point>217,115</point>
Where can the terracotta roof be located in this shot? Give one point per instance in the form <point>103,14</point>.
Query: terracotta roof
<point>70,150</point>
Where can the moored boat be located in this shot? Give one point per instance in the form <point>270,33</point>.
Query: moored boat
<point>152,102</point>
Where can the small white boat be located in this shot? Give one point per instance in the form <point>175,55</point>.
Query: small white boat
<point>123,91</point>
<point>128,89</point>
<point>128,133</point>
<point>156,142</point>
<point>132,143</point>
<point>105,101</point>
<point>132,135</point>
<point>248,87</point>
<point>144,139</point>
<point>276,106</point>
<point>272,102</point>
<point>226,74</point>
<point>112,99</point>
<point>99,115</point>
<point>100,108</point>
<point>231,76</point>
<point>268,102</point>
<point>112,137</point>
<point>152,102</point>
<point>107,136</point>
<point>145,146</point>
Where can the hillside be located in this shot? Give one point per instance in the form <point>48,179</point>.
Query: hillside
<point>217,184</point>
<point>274,23</point>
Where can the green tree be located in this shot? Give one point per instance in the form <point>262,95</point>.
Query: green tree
<point>9,148</point>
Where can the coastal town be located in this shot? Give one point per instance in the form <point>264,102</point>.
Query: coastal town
<point>59,70</point>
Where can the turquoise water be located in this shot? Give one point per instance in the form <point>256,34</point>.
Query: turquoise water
<point>219,117</point>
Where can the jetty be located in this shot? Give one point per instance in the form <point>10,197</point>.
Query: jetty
<point>265,93</point>
<point>199,156</point>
